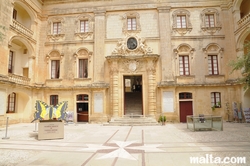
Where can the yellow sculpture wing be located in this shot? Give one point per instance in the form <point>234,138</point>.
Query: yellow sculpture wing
<point>44,109</point>
<point>41,110</point>
<point>60,110</point>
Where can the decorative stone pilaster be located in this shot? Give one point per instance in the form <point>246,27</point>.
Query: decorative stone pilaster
<point>99,44</point>
<point>165,43</point>
<point>151,64</point>
<point>114,87</point>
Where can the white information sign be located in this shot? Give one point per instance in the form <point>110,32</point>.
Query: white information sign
<point>247,114</point>
<point>168,101</point>
<point>98,102</point>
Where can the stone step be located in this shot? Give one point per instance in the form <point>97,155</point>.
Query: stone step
<point>138,120</point>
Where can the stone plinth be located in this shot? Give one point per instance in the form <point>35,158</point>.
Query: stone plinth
<point>50,129</point>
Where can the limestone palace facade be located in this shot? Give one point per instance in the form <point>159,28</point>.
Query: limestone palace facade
<point>112,58</point>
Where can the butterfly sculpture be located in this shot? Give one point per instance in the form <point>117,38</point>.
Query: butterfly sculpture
<point>44,111</point>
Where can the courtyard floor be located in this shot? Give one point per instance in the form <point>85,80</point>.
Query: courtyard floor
<point>98,145</point>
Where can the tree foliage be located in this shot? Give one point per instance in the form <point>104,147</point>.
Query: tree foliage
<point>243,64</point>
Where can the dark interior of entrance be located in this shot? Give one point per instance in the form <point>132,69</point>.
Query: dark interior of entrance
<point>82,112</point>
<point>133,95</point>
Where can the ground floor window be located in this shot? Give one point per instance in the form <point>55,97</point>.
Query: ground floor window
<point>54,100</point>
<point>216,99</point>
<point>11,103</point>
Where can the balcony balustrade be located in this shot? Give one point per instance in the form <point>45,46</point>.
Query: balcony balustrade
<point>19,79</point>
<point>21,28</point>
<point>243,22</point>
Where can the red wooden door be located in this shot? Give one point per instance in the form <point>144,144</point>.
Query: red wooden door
<point>186,108</point>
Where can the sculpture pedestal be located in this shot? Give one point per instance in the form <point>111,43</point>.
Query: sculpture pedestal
<point>50,129</point>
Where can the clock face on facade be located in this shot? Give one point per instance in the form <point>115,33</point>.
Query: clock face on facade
<point>132,43</point>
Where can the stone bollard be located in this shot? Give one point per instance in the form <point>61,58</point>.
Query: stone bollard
<point>7,121</point>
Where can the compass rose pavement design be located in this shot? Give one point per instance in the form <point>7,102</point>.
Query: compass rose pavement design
<point>122,150</point>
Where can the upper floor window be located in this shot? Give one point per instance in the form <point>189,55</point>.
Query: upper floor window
<point>10,65</point>
<point>82,58</point>
<point>54,58</point>
<point>213,55</point>
<point>210,20</point>
<point>213,65</point>
<point>131,23</point>
<point>83,68</point>
<point>14,15</point>
<point>84,26</point>
<point>181,21</point>
<point>184,55</point>
<point>216,99</point>
<point>55,69</point>
<point>56,27</point>
<point>11,105</point>
<point>184,65</point>
<point>53,100</point>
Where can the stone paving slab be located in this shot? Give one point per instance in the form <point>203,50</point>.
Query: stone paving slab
<point>98,145</point>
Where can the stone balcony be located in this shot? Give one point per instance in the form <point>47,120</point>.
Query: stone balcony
<point>243,23</point>
<point>18,79</point>
<point>18,27</point>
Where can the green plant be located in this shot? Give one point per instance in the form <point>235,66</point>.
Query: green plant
<point>243,64</point>
<point>213,107</point>
<point>162,118</point>
<point>219,104</point>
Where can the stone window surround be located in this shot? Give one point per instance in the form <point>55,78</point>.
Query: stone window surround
<point>82,53</point>
<point>188,28</point>
<point>50,34</point>
<point>184,50</point>
<point>53,55</point>
<point>83,17</point>
<point>125,22</point>
<point>217,26</point>
<point>213,49</point>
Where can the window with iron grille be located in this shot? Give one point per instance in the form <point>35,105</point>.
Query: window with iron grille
<point>216,99</point>
<point>213,65</point>
<point>181,21</point>
<point>82,97</point>
<point>11,103</point>
<point>184,65</point>
<point>131,22</point>
<point>56,27</point>
<point>83,68</point>
<point>185,95</point>
<point>10,65</point>
<point>209,20</point>
<point>55,69</point>
<point>84,26</point>
<point>53,100</point>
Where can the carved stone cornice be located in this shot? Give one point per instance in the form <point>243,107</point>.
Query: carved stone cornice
<point>132,64</point>
<point>164,9</point>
